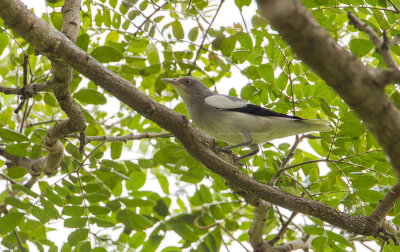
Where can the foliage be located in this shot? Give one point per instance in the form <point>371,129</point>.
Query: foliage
<point>133,195</point>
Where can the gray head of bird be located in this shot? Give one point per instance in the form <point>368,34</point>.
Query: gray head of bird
<point>188,87</point>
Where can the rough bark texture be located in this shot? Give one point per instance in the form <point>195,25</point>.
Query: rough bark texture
<point>55,45</point>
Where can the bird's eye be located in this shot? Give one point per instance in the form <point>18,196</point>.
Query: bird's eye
<point>187,82</point>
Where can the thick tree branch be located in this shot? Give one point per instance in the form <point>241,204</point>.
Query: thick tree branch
<point>62,77</point>
<point>256,231</point>
<point>56,46</point>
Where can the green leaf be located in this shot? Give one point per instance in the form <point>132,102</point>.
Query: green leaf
<point>99,210</point>
<point>152,243</point>
<point>137,239</point>
<point>49,209</point>
<point>18,187</point>
<point>97,197</point>
<point>106,17</point>
<point>83,41</point>
<point>177,30</point>
<point>193,34</point>
<point>40,214</point>
<point>161,208</point>
<point>319,243</point>
<point>77,236</point>
<point>75,222</point>
<point>339,238</point>
<point>185,232</point>
<point>9,221</point>
<point>228,45</point>
<point>85,247</point>
<point>17,203</point>
<point>116,149</point>
<point>364,181</point>
<point>138,202</point>
<point>152,54</point>
<point>360,47</point>
<point>11,135</point>
<point>163,183</point>
<point>74,211</point>
<point>90,96</point>
<point>137,181</point>
<point>245,40</point>
<point>133,221</point>
<point>106,54</point>
<point>57,20</point>
<point>102,222</point>
<point>16,172</point>
<point>267,73</point>
<point>54,198</point>
<point>241,3</point>
<point>49,100</point>
<point>18,149</point>
<point>313,230</point>
<point>3,42</point>
<point>370,196</point>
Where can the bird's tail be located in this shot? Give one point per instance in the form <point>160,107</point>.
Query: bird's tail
<point>317,125</point>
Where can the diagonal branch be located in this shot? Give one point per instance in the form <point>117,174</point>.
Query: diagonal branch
<point>382,209</point>
<point>205,35</point>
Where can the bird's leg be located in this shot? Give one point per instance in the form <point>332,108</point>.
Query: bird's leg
<point>247,141</point>
<point>254,149</point>
<point>237,145</point>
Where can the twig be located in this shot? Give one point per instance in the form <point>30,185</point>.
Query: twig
<point>283,229</point>
<point>149,16</point>
<point>198,226</point>
<point>7,178</point>
<point>87,157</point>
<point>381,46</point>
<point>205,36</point>
<point>394,6</point>
<point>286,160</point>
<point>82,141</point>
<point>19,241</point>
<point>28,125</point>
<point>121,138</point>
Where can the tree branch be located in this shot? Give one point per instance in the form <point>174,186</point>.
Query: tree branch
<point>55,45</point>
<point>121,138</point>
<point>383,47</point>
<point>382,209</point>
<point>256,231</point>
<point>62,77</point>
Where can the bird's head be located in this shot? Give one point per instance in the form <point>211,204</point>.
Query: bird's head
<point>187,87</point>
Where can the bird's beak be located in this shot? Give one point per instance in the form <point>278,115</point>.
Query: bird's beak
<point>171,81</point>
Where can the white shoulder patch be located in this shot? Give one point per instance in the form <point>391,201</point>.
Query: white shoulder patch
<point>225,102</point>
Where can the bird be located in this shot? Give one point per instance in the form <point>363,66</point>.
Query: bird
<point>236,121</point>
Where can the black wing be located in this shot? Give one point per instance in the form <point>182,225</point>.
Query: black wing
<point>260,111</point>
